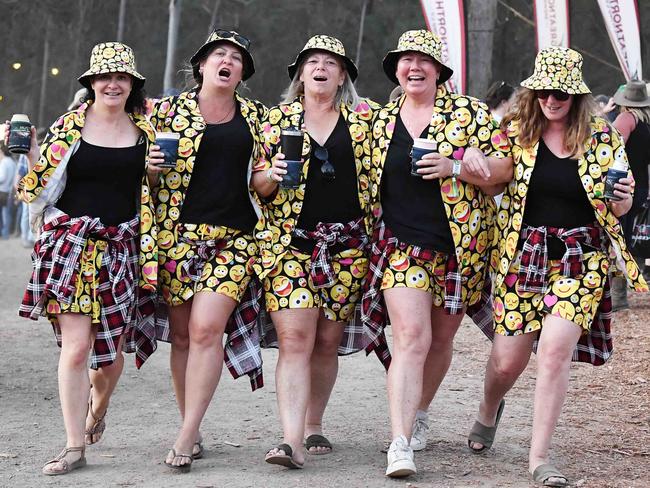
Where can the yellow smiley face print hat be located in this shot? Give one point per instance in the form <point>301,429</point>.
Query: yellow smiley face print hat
<point>232,37</point>
<point>112,57</point>
<point>557,68</point>
<point>328,44</point>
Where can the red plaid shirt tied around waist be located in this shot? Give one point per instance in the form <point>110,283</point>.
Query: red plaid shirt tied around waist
<point>352,235</point>
<point>56,261</point>
<point>384,243</point>
<point>533,269</point>
<point>242,353</point>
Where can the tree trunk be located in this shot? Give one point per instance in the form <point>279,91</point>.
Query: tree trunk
<point>481,18</point>
<point>175,7</point>
<point>82,7</point>
<point>213,17</point>
<point>120,21</point>
<point>361,26</point>
<point>46,60</point>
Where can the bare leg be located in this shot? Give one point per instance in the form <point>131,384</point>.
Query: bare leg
<point>179,320</point>
<point>296,335</point>
<point>324,368</point>
<point>410,317</point>
<point>74,385</point>
<point>103,382</point>
<point>443,330</point>
<point>210,313</point>
<point>508,359</point>
<point>556,344</point>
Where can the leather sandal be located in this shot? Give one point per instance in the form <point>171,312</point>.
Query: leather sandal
<point>483,434</point>
<point>95,432</point>
<point>318,441</point>
<point>285,459</point>
<point>60,465</point>
<point>545,472</point>
<point>182,468</point>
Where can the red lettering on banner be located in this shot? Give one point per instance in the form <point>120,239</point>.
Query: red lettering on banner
<point>619,33</point>
<point>441,28</point>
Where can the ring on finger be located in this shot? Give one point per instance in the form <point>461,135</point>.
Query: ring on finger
<point>269,175</point>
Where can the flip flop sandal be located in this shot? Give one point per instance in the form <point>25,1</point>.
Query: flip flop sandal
<point>544,472</point>
<point>318,440</point>
<point>183,468</point>
<point>483,434</point>
<point>285,459</point>
<point>64,467</point>
<point>197,450</point>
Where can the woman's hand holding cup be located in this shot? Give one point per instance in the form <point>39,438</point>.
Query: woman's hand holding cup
<point>624,191</point>
<point>434,165</point>
<point>277,169</point>
<point>154,160</point>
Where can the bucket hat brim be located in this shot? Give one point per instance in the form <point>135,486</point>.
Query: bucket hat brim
<point>325,44</point>
<point>111,57</point>
<point>213,40</point>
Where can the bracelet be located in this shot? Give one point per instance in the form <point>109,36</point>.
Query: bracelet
<point>456,168</point>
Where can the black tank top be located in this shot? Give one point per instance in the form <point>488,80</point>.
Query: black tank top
<point>330,201</point>
<point>556,197</point>
<point>637,148</point>
<point>103,182</point>
<point>218,191</point>
<point>412,207</point>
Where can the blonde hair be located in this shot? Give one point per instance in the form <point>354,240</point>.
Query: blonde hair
<point>533,122</point>
<point>345,93</point>
<point>641,114</point>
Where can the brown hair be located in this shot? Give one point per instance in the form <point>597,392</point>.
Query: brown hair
<point>533,122</point>
<point>641,114</point>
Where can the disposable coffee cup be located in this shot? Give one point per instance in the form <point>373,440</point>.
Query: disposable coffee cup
<point>614,174</point>
<point>20,134</point>
<point>168,142</point>
<point>291,144</point>
<point>292,178</point>
<point>420,148</point>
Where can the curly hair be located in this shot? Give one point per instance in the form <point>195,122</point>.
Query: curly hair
<point>533,122</point>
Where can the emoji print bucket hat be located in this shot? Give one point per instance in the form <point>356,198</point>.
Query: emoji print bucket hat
<point>328,44</point>
<point>557,68</point>
<point>112,57</point>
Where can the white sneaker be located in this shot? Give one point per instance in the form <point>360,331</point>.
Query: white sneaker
<point>420,427</point>
<point>400,459</point>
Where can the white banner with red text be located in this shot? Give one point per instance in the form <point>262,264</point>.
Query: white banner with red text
<point>552,23</point>
<point>622,22</point>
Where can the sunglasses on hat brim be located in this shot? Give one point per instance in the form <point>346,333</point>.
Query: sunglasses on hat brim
<point>559,95</point>
<point>226,34</point>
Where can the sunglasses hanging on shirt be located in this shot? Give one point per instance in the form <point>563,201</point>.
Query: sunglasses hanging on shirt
<point>327,170</point>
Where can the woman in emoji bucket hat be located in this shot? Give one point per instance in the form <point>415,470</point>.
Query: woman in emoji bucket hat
<point>206,215</point>
<point>556,228</point>
<point>95,260</point>
<point>313,237</point>
<point>433,228</point>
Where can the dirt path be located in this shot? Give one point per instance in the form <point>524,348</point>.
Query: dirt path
<point>603,438</point>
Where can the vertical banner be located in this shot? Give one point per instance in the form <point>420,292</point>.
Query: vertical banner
<point>447,19</point>
<point>552,23</point>
<point>622,22</point>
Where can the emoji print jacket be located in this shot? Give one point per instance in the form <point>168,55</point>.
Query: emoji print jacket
<point>274,230</point>
<point>44,184</point>
<point>181,114</point>
<point>458,122</point>
<point>603,147</point>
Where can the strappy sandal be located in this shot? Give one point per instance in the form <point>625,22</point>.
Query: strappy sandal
<point>483,434</point>
<point>182,468</point>
<point>544,472</point>
<point>285,459</point>
<point>198,450</point>
<point>60,465</point>
<point>94,434</point>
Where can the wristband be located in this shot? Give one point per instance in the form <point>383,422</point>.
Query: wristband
<point>456,168</point>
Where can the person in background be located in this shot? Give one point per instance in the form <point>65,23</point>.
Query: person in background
<point>95,260</point>
<point>26,235</point>
<point>7,177</point>
<point>551,261</point>
<point>606,107</point>
<point>499,99</point>
<point>633,122</point>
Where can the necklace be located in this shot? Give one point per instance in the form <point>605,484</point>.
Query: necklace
<point>228,114</point>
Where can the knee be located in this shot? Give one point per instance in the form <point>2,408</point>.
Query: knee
<point>508,368</point>
<point>75,355</point>
<point>205,333</point>
<point>295,342</point>
<point>180,340</point>
<point>553,359</point>
<point>327,344</point>
<point>412,340</point>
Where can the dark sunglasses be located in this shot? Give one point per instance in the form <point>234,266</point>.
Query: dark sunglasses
<point>327,170</point>
<point>560,96</point>
<point>225,34</point>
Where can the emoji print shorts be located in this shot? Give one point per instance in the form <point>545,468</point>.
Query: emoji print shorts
<point>575,299</point>
<point>290,286</point>
<point>228,271</point>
